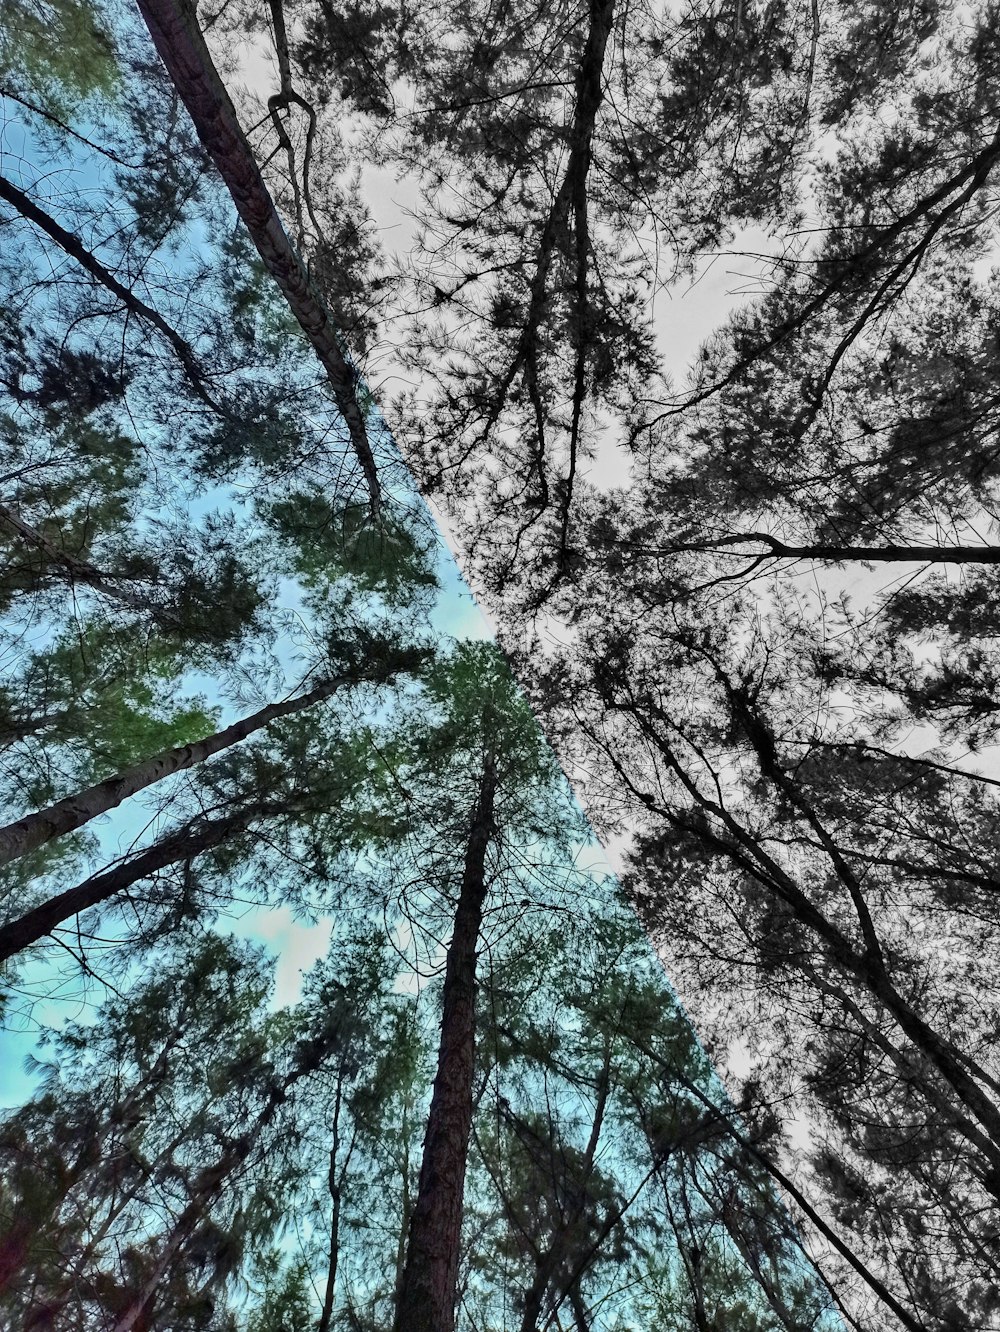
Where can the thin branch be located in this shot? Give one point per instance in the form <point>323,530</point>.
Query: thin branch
<point>74,247</point>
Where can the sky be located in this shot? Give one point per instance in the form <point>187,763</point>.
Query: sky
<point>683,316</point>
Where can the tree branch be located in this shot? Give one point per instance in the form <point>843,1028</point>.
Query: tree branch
<point>174,29</point>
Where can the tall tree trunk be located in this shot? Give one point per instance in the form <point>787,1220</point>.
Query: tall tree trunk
<point>173,26</point>
<point>334,1183</point>
<point>176,847</point>
<point>72,812</point>
<point>210,1183</point>
<point>427,1296</point>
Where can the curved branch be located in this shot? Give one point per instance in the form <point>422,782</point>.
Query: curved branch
<point>821,550</point>
<point>973,175</point>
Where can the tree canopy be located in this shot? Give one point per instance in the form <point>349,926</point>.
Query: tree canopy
<point>746,588</point>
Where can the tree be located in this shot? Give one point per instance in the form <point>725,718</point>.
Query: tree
<point>746,728</point>
<point>486,748</point>
<point>560,1016</point>
<point>785,885</point>
<point>747,725</point>
<point>182,48</point>
<point>73,811</point>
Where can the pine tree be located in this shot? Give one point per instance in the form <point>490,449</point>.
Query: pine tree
<point>731,706</point>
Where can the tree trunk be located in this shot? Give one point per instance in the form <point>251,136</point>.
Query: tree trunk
<point>170,850</point>
<point>533,1296</point>
<point>580,1314</point>
<point>427,1295</point>
<point>333,1181</point>
<point>34,830</point>
<point>173,26</point>
<point>211,1181</point>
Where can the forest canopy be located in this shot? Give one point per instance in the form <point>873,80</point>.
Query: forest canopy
<point>274,279</point>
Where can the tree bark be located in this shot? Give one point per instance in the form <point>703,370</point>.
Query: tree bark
<point>34,830</point>
<point>173,26</point>
<point>427,1295</point>
<point>170,850</point>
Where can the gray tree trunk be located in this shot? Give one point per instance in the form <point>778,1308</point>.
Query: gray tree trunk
<point>173,26</point>
<point>72,812</point>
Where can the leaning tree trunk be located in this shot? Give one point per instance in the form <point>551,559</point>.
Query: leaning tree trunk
<point>173,26</point>
<point>184,844</point>
<point>211,1182</point>
<point>426,1300</point>
<point>72,812</point>
<point>572,1210</point>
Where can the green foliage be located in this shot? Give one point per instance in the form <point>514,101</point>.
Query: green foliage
<point>331,546</point>
<point>127,701</point>
<point>286,1303</point>
<point>61,49</point>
